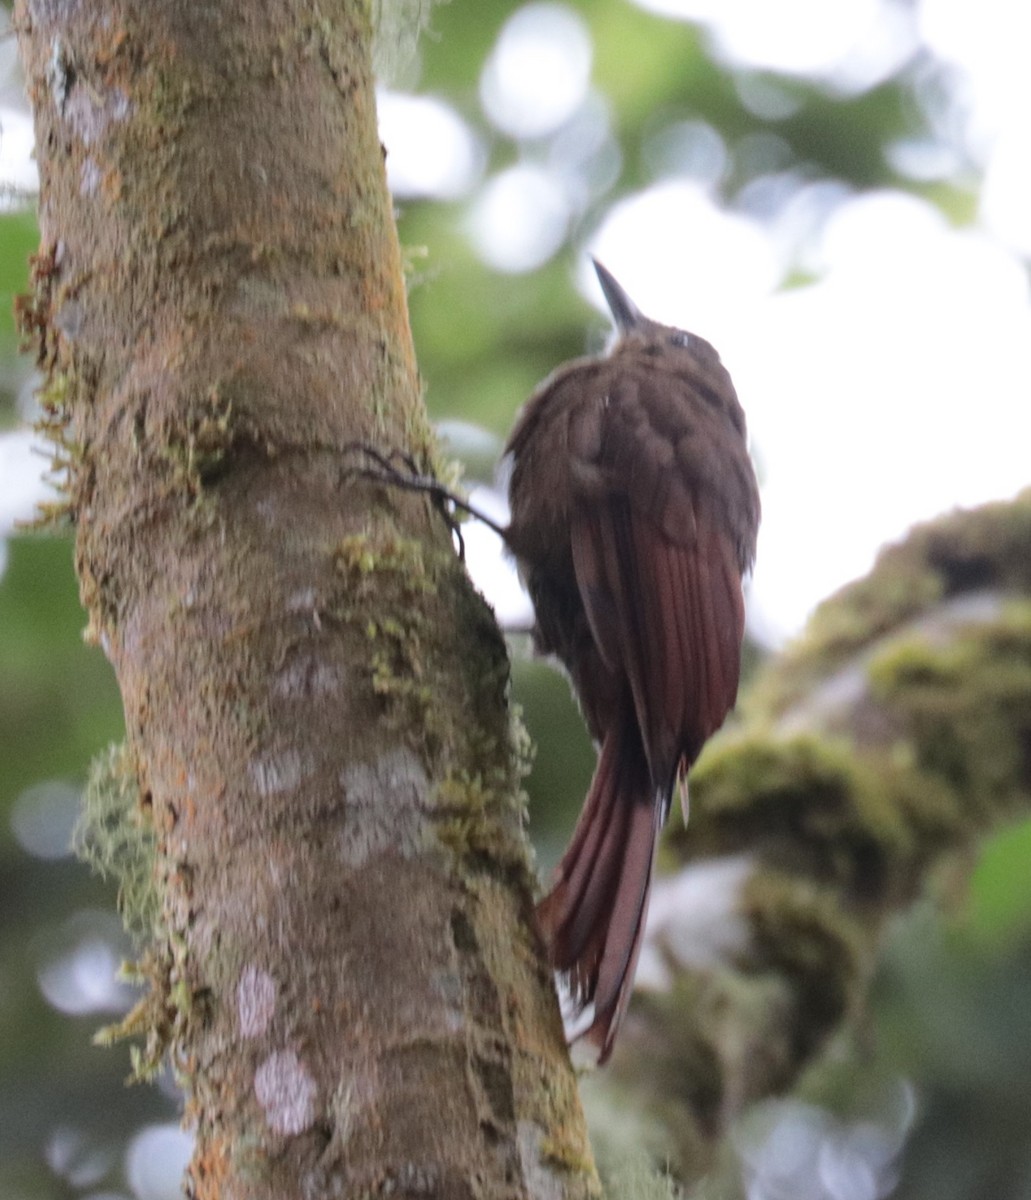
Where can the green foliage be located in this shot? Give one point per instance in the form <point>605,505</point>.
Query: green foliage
<point>18,239</point>
<point>951,1015</point>
<point>999,904</point>
<point>58,699</point>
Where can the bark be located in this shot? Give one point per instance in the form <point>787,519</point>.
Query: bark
<point>343,962</point>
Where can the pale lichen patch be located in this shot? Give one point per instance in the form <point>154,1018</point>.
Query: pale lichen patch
<point>255,1001</point>
<point>286,1092</point>
<point>309,676</point>
<point>393,791</point>
<point>89,113</point>
<point>89,177</point>
<point>276,773</point>
<point>541,1181</point>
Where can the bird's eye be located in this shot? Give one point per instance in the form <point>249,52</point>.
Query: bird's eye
<point>680,337</point>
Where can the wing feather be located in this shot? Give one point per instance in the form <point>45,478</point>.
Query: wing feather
<point>679,623</point>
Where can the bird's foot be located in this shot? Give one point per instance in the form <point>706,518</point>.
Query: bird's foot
<point>395,468</point>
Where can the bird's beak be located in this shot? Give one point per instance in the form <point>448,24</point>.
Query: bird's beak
<point>624,311</point>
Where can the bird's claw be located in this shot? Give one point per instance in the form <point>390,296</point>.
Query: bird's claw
<point>397,468</point>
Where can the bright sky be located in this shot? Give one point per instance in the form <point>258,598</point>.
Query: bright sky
<point>896,386</point>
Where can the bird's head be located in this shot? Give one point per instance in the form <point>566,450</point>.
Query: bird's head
<point>633,326</point>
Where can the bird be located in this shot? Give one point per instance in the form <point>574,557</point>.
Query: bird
<point>634,513</point>
<point>634,517</point>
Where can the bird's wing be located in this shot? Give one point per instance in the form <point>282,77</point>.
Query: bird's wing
<point>659,575</point>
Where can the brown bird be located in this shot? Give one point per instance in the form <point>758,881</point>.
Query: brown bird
<point>634,515</point>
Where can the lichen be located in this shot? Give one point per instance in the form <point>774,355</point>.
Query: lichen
<point>115,835</point>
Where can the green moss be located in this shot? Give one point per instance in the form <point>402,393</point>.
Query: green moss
<point>800,972</point>
<point>54,397</point>
<point>468,825</point>
<point>985,547</point>
<point>165,1015</point>
<point>636,1179</point>
<point>896,591</point>
<point>438,666</point>
<point>484,808</point>
<point>803,785</point>
<point>866,820</point>
<point>871,607</point>
<point>394,571</point>
<point>115,835</point>
<point>33,310</point>
<point>966,703</point>
<point>567,1155</point>
<point>389,583</point>
<point>197,448</point>
<point>358,557</point>
<point>60,389</point>
<point>800,931</point>
<point>481,814</point>
<point>522,744</point>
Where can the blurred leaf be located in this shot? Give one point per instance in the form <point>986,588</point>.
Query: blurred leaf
<point>18,239</point>
<point>1000,892</point>
<point>58,699</point>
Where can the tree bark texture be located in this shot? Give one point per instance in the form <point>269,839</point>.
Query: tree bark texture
<point>344,968</point>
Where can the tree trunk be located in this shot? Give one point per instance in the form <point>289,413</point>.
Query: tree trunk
<point>344,966</point>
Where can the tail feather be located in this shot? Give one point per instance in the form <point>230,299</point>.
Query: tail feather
<point>593,919</point>
<point>629,909</point>
<point>586,872</point>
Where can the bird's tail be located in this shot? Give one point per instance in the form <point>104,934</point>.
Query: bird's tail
<point>593,918</point>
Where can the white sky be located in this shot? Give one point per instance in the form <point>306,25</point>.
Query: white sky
<point>896,386</point>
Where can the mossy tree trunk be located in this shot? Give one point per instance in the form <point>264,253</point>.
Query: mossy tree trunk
<point>344,968</point>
